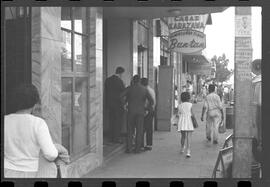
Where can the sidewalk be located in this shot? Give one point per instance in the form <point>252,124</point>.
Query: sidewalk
<point>165,160</point>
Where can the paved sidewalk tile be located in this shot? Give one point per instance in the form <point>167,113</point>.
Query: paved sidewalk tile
<point>165,159</point>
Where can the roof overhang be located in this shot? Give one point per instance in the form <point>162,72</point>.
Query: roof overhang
<point>198,64</point>
<point>156,12</point>
<point>195,59</point>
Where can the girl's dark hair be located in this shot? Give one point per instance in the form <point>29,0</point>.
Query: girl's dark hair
<point>185,96</point>
<point>24,96</point>
<point>211,88</point>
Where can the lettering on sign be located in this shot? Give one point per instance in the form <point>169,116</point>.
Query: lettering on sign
<point>243,70</point>
<point>242,25</point>
<point>243,42</point>
<point>243,55</point>
<point>191,22</point>
<point>187,41</point>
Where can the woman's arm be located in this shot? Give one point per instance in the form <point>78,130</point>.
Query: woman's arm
<point>45,141</point>
<point>192,113</point>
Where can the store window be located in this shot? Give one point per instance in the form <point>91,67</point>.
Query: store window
<point>75,79</point>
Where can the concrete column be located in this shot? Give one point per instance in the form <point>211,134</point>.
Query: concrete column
<point>151,73</point>
<point>46,64</point>
<point>180,69</point>
<point>242,154</point>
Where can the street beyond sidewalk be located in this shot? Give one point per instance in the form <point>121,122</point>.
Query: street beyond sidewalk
<point>165,160</point>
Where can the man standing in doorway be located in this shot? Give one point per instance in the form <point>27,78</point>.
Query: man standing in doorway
<point>114,86</point>
<point>148,119</point>
<point>136,96</point>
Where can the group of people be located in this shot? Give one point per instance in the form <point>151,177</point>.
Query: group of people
<point>138,99</point>
<point>213,109</point>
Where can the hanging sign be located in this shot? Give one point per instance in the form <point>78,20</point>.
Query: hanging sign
<point>187,41</point>
<point>191,22</point>
<point>243,58</point>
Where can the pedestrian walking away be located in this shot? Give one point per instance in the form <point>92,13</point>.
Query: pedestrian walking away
<point>149,115</point>
<point>214,113</point>
<point>114,86</point>
<point>135,96</point>
<point>185,126</point>
<point>27,136</point>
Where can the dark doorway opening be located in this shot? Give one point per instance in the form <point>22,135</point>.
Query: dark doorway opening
<point>18,50</point>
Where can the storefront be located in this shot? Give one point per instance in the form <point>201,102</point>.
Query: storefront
<point>67,53</point>
<point>198,66</point>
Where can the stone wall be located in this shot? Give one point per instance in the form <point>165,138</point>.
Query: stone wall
<point>46,64</point>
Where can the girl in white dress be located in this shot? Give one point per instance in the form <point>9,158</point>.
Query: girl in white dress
<point>185,125</point>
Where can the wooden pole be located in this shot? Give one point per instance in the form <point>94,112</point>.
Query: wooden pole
<point>242,154</point>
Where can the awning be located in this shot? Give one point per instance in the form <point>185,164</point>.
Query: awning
<point>198,64</point>
<point>195,59</point>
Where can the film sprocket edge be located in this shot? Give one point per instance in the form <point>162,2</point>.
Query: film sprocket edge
<point>83,39</point>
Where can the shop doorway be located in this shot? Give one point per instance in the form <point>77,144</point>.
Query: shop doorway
<point>142,61</point>
<point>18,50</point>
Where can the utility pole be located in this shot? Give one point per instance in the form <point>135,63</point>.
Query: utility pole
<point>242,153</point>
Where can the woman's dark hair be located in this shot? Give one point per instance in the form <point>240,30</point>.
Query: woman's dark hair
<point>24,96</point>
<point>185,96</point>
<point>211,88</point>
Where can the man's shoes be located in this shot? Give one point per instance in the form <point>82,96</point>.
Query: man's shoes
<point>208,139</point>
<point>147,148</point>
<point>117,141</point>
<point>215,142</point>
<point>139,150</point>
<point>128,151</point>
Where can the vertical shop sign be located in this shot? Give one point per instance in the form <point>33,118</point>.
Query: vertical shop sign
<point>242,25</point>
<point>243,60</point>
<point>242,153</point>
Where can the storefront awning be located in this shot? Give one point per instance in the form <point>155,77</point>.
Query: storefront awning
<point>195,59</point>
<point>197,64</point>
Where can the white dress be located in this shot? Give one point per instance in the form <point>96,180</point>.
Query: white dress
<point>185,123</point>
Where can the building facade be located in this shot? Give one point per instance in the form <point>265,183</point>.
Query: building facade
<point>68,52</point>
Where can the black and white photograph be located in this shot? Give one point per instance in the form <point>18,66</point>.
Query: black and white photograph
<point>132,92</point>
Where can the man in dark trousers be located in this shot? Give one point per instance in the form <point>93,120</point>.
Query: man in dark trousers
<point>148,119</point>
<point>114,86</point>
<point>136,96</point>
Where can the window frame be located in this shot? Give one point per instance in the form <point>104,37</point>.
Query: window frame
<point>73,74</point>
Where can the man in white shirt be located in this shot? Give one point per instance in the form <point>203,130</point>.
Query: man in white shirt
<point>148,120</point>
